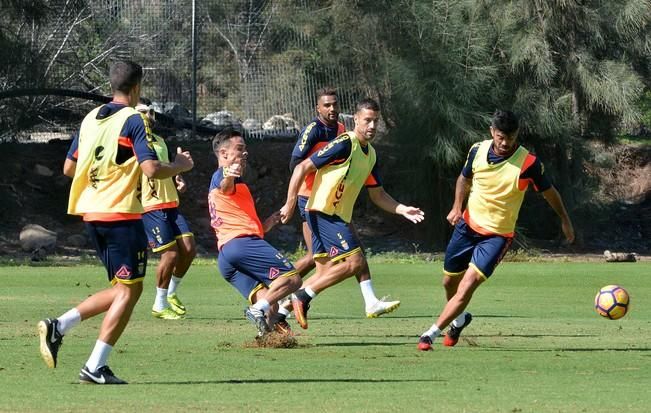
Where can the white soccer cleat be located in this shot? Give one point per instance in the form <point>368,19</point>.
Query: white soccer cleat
<point>382,307</point>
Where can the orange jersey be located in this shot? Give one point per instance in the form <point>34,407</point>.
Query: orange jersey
<point>234,215</point>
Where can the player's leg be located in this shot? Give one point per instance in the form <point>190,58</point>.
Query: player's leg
<point>457,258</point>
<point>305,264</point>
<point>160,235</point>
<point>127,261</point>
<point>337,254</point>
<point>52,330</point>
<point>266,264</point>
<point>187,251</point>
<point>232,268</point>
<point>374,307</point>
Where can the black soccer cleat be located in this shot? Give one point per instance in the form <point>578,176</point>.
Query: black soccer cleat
<point>103,375</point>
<point>425,343</point>
<point>452,336</point>
<point>257,318</point>
<point>51,340</point>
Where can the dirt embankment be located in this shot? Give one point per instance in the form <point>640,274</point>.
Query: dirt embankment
<point>34,191</point>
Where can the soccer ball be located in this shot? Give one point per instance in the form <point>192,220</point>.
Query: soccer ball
<point>611,302</point>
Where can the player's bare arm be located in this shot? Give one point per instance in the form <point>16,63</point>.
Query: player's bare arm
<point>554,200</point>
<point>271,222</point>
<point>461,191</point>
<point>161,170</point>
<point>298,176</point>
<point>383,200</point>
<point>69,168</point>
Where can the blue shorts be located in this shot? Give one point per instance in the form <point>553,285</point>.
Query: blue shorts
<point>164,227</point>
<point>251,263</point>
<point>331,236</point>
<point>467,247</point>
<point>300,204</point>
<point>122,247</point>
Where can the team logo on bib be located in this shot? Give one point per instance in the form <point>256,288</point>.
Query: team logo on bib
<point>123,272</point>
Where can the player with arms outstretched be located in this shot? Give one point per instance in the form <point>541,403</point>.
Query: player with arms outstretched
<point>342,167</point>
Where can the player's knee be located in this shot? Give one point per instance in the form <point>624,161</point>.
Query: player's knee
<point>294,282</point>
<point>356,264</point>
<point>169,257</point>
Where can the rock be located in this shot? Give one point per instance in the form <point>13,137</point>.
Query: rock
<point>283,122</point>
<point>221,119</point>
<point>42,170</point>
<point>620,256</point>
<point>76,241</point>
<point>34,237</point>
<point>252,124</point>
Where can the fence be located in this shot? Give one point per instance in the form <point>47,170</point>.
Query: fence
<point>221,62</point>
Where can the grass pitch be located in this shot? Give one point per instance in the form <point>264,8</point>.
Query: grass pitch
<point>535,345</point>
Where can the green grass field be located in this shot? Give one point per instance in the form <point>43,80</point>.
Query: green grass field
<point>535,345</point>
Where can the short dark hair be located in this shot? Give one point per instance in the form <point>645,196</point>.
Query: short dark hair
<point>125,75</point>
<point>325,91</point>
<point>505,121</point>
<point>367,103</point>
<point>223,138</point>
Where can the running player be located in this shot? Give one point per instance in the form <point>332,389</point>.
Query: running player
<point>110,154</point>
<point>496,175</point>
<point>167,230</point>
<point>323,129</point>
<point>342,168</point>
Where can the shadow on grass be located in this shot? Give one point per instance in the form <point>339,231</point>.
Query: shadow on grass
<point>286,381</point>
<point>565,350</point>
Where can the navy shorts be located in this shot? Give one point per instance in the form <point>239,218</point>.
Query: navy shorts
<point>467,247</point>
<point>164,227</point>
<point>300,204</point>
<point>251,263</point>
<point>331,236</point>
<point>122,247</point>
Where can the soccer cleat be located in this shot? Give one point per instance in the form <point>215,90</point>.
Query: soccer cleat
<point>257,318</point>
<point>103,375</point>
<point>452,336</point>
<point>382,307</point>
<point>281,325</point>
<point>166,314</point>
<point>51,340</point>
<point>301,303</point>
<point>176,304</point>
<point>424,343</point>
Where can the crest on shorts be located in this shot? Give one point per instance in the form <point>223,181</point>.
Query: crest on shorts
<point>123,272</point>
<point>333,251</point>
<point>273,273</point>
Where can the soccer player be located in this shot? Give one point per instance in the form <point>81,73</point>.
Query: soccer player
<point>111,152</point>
<point>495,178</point>
<point>342,168</point>
<point>167,230</point>
<point>249,263</point>
<point>317,134</point>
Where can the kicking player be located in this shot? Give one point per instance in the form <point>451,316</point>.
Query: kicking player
<point>342,168</point>
<point>249,263</point>
<point>316,135</point>
<point>496,176</point>
<point>167,230</point>
<point>109,156</point>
